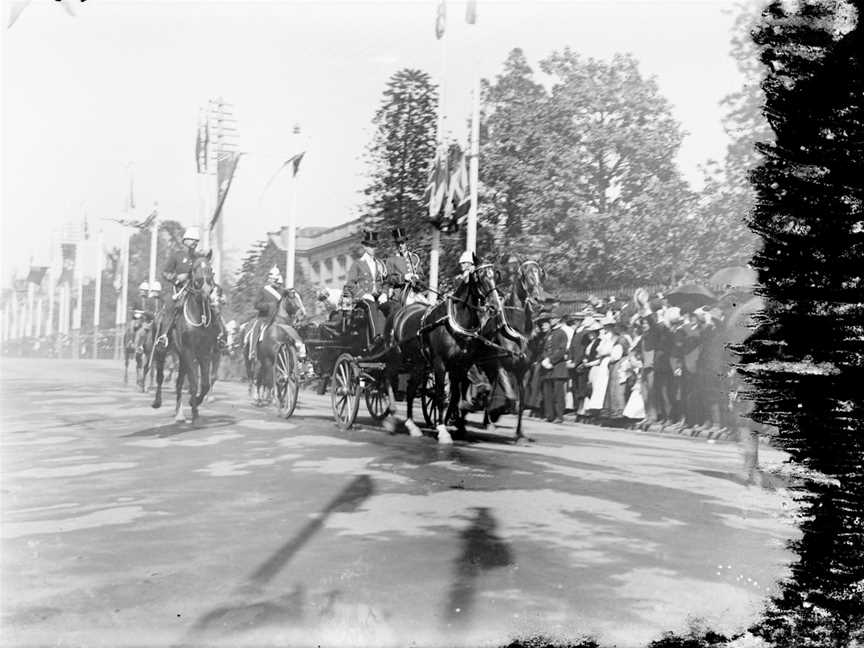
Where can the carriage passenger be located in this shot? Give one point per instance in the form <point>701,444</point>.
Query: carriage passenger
<point>403,271</point>
<point>365,282</point>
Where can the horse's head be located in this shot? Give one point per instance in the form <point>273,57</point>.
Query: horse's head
<point>530,282</point>
<point>292,304</point>
<point>484,279</point>
<point>202,272</point>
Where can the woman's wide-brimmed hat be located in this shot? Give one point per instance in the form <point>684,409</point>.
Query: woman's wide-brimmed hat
<point>370,238</point>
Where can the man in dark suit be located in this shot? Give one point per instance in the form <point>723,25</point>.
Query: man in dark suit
<point>365,282</point>
<point>554,373</point>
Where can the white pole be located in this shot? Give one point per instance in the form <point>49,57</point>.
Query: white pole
<point>49,325</point>
<point>97,299</point>
<point>79,302</point>
<point>154,242</point>
<point>434,252</point>
<point>474,170</point>
<point>29,321</point>
<point>38,332</point>
<point>290,253</point>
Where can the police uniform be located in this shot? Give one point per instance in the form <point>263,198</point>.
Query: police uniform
<point>179,262</point>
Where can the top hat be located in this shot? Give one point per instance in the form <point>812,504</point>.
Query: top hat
<point>370,238</point>
<point>399,235</point>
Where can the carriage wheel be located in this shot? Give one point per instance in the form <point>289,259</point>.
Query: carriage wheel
<point>427,397</point>
<point>285,380</point>
<point>378,399</point>
<point>345,391</point>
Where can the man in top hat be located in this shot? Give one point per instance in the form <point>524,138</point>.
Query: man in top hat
<point>554,373</point>
<point>365,282</point>
<point>403,269</point>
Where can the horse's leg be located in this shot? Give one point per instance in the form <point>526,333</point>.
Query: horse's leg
<point>198,392</point>
<point>126,365</point>
<point>159,360</point>
<point>442,411</point>
<point>410,393</point>
<point>182,368</point>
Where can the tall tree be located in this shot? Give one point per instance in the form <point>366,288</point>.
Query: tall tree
<point>401,151</point>
<point>807,374</point>
<point>609,193</point>
<point>511,142</point>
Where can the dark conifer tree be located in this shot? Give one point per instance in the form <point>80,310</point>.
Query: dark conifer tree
<point>806,362</point>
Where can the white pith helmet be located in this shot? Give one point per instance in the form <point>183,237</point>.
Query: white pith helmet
<point>156,287</point>
<point>466,257</point>
<point>144,286</point>
<point>192,234</point>
<point>274,275</point>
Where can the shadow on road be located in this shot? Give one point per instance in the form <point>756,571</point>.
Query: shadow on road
<point>482,550</point>
<point>173,429</point>
<point>243,615</point>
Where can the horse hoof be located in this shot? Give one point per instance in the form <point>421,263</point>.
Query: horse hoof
<point>413,430</point>
<point>155,405</point>
<point>444,437</point>
<point>179,418</point>
<point>491,429</point>
<point>389,424</point>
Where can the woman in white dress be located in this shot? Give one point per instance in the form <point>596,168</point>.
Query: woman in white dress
<point>598,375</point>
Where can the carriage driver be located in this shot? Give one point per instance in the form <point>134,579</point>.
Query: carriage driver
<point>466,267</point>
<point>176,272</point>
<point>403,270</point>
<point>365,283</point>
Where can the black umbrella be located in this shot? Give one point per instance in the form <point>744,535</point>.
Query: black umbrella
<point>693,294</point>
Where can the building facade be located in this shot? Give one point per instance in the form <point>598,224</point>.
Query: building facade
<point>324,254</point>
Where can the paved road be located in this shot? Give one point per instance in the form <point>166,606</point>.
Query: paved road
<point>120,527</point>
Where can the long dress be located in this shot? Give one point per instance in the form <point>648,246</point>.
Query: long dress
<point>598,376</point>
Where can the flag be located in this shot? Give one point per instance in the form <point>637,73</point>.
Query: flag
<point>440,20</point>
<point>225,168</point>
<point>147,222</point>
<point>69,252</point>
<point>458,195</point>
<point>436,188</point>
<point>199,148</point>
<point>295,163</point>
<point>471,12</point>
<point>37,274</point>
<point>17,6</point>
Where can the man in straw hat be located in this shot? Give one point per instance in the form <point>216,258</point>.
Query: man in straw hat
<point>365,283</point>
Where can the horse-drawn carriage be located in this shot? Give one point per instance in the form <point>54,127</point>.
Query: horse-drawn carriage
<point>428,353</point>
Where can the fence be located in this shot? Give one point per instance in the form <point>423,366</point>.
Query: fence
<point>107,347</point>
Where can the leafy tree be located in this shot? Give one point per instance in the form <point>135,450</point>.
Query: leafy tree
<point>608,192</point>
<point>807,365</point>
<point>511,145</point>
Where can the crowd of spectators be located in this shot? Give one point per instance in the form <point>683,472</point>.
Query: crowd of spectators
<point>642,363</point>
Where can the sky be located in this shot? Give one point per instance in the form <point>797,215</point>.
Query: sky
<point>119,86</point>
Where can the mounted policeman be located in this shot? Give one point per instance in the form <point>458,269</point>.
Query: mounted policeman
<point>177,272</point>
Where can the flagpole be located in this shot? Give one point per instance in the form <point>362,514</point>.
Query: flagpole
<point>97,300</point>
<point>291,246</point>
<point>154,242</point>
<point>471,226</point>
<point>31,296</point>
<point>122,305</point>
<point>49,325</point>
<point>435,249</point>
<point>38,331</point>
<point>79,304</point>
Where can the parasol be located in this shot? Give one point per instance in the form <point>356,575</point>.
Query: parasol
<point>733,277</point>
<point>692,294</point>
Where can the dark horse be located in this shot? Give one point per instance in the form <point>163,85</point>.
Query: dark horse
<point>510,330</point>
<point>445,336</point>
<point>193,337</point>
<point>280,329</point>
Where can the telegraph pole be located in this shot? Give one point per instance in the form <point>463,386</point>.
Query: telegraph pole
<point>220,163</point>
